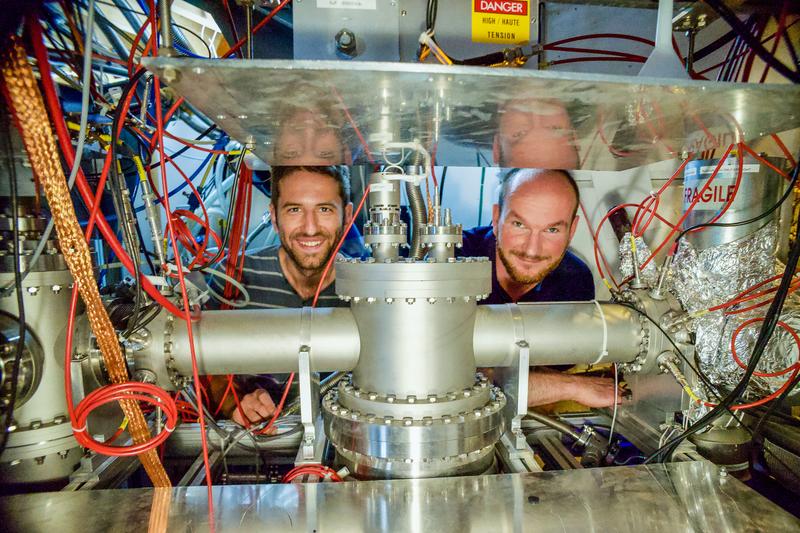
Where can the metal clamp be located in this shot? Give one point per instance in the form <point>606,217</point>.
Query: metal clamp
<point>309,387</point>
<point>514,381</point>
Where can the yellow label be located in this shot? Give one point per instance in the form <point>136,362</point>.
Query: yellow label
<point>501,21</point>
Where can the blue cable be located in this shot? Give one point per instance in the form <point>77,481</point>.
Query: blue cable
<point>183,185</point>
<point>178,47</point>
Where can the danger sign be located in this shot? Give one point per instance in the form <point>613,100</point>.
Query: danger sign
<point>501,21</point>
<point>502,7</point>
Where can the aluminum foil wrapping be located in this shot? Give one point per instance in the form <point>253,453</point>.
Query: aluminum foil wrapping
<point>706,278</point>
<point>649,274</point>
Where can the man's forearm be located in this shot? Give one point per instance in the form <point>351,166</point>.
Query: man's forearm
<point>546,386</point>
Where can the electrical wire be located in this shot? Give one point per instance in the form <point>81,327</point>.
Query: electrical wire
<point>239,44</point>
<point>53,106</point>
<point>8,152</point>
<point>787,193</point>
<point>87,71</point>
<point>122,203</point>
<point>616,404</point>
<point>184,295</point>
<point>754,43</point>
<point>770,321</point>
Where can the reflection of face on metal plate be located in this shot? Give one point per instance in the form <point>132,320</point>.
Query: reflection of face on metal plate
<point>535,134</point>
<point>619,122</point>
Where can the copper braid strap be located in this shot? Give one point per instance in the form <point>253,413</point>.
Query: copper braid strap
<point>33,122</point>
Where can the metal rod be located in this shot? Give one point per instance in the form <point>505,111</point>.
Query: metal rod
<point>248,11</point>
<point>165,14</point>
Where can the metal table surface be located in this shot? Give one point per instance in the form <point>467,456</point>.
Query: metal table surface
<point>692,496</point>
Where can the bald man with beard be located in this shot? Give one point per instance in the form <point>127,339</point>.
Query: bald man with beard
<point>533,223</point>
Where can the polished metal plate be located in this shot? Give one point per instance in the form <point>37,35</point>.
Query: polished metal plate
<point>333,112</point>
<point>674,497</point>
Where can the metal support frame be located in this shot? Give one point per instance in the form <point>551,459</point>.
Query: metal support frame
<point>196,473</point>
<point>514,449</point>
<point>101,472</point>
<point>310,451</point>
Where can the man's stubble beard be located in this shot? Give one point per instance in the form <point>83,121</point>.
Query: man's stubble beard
<point>309,264</point>
<point>522,278</point>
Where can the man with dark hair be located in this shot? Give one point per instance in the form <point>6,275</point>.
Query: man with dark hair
<point>312,134</point>
<point>310,207</point>
<point>533,223</point>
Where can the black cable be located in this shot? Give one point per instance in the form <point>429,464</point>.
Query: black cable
<point>8,151</point>
<point>773,406</point>
<point>754,44</point>
<point>761,216</point>
<point>695,368</point>
<point>228,218</point>
<point>185,148</point>
<point>143,250</point>
<point>441,185</point>
<point>127,37</point>
<point>764,335</point>
<point>709,385</point>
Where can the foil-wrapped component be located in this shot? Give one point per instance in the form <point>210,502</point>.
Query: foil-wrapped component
<point>703,279</point>
<point>707,278</point>
<point>649,274</point>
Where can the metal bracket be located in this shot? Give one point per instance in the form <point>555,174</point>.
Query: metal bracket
<point>309,388</point>
<point>514,381</point>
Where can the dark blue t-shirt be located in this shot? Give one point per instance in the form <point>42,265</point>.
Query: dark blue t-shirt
<point>571,280</point>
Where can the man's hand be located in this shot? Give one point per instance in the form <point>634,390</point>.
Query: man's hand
<point>257,407</point>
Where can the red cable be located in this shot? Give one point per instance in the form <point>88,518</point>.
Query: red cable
<point>433,162</point>
<point>737,183</point>
<point>600,226</point>
<point>792,288</point>
<point>778,36</point>
<point>65,142</point>
<point>783,148</point>
<point>339,246</point>
<point>354,126</point>
<point>766,40</point>
<point>603,36</point>
<point>601,133</point>
<point>765,162</point>
<point>320,471</point>
<point>279,408</point>
<point>686,213</point>
<point>231,21</point>
<point>131,390</point>
<point>257,27</point>
<point>79,414</point>
<point>739,362</point>
<point>332,258</point>
<point>574,50</point>
<point>594,59</point>
<point>184,297</point>
<point>594,240</point>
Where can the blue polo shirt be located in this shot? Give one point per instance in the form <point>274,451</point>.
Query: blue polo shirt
<point>570,281</point>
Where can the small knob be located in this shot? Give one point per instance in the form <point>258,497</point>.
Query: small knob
<point>346,42</point>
